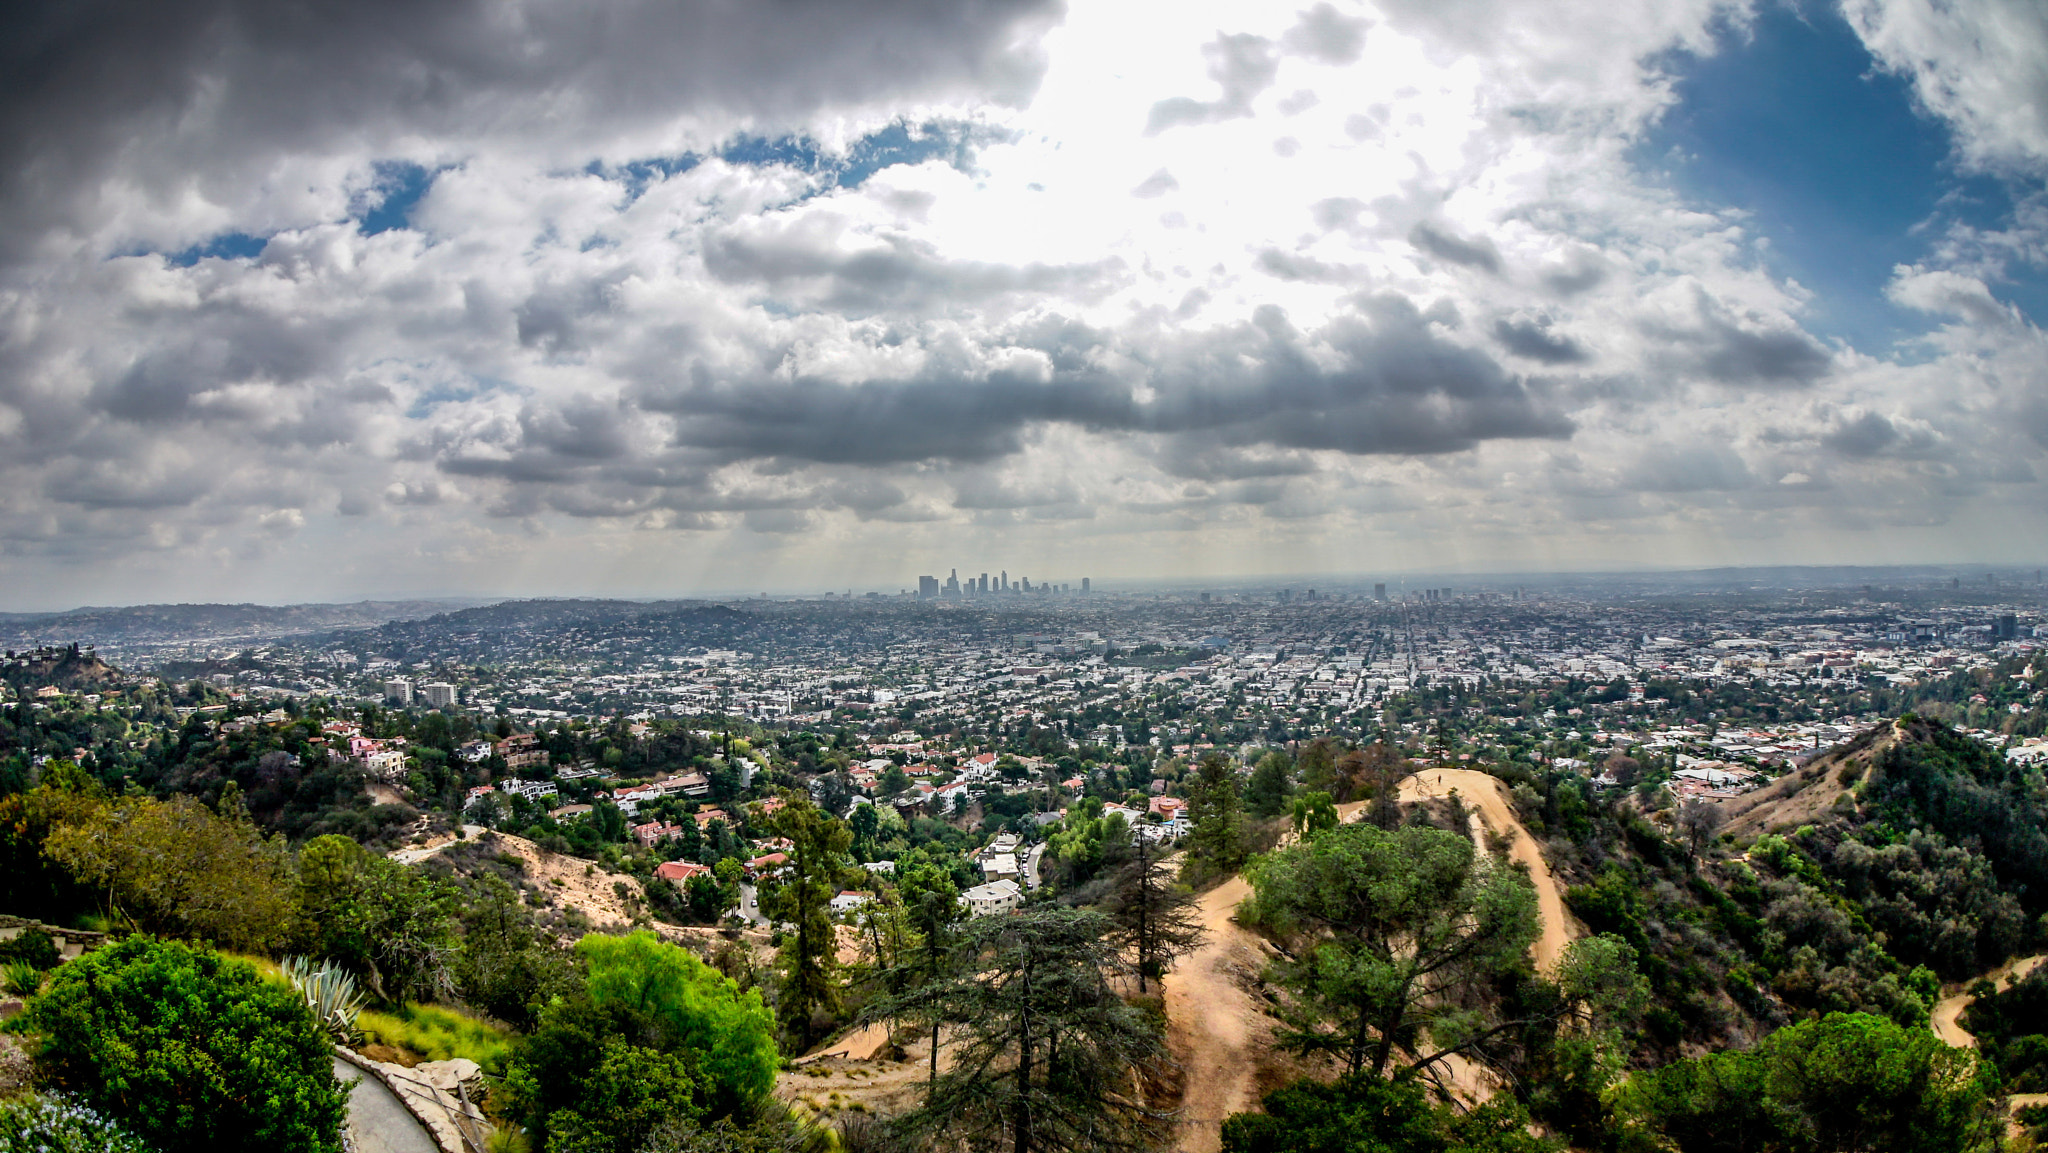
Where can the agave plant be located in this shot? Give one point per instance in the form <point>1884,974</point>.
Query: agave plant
<point>330,991</point>
<point>20,978</point>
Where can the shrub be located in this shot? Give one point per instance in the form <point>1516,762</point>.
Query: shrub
<point>43,1124</point>
<point>20,978</point>
<point>190,1050</point>
<point>437,1033</point>
<point>33,947</point>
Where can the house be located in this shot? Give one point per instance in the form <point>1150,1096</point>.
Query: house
<point>522,750</point>
<point>653,831</point>
<point>681,871</point>
<point>386,764</point>
<point>850,899</point>
<point>476,794</point>
<point>999,866</point>
<point>992,898</point>
<point>706,816</point>
<point>1170,810</point>
<point>767,864</point>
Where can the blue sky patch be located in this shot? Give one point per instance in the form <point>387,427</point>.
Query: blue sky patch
<point>402,184</point>
<point>898,143</point>
<point>1797,125</point>
<point>227,246</point>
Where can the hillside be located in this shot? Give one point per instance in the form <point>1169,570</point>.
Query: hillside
<point>1804,795</point>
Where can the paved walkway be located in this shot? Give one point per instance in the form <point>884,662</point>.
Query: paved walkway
<point>377,1122</point>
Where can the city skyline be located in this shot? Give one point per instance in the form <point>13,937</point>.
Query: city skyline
<point>655,299</point>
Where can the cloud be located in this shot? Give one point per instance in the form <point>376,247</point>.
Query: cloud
<point>1982,67</point>
<point>1443,245</point>
<point>1531,337</point>
<point>1327,36</point>
<point>1242,64</point>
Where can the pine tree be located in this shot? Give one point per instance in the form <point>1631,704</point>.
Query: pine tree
<point>1049,1057</point>
<point>1217,810</point>
<point>1155,917</point>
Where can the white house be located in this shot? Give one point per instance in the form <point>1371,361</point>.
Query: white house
<point>994,897</point>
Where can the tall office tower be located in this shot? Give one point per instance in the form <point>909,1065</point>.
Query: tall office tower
<point>1379,591</point>
<point>952,588</point>
<point>398,690</point>
<point>927,586</point>
<point>1311,594</point>
<point>983,587</point>
<point>1025,582</point>
<point>1006,581</point>
<point>1205,598</point>
<point>1084,584</point>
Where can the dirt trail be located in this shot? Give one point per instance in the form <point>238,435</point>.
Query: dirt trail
<point>1219,1031</point>
<point>1948,1012</point>
<point>1489,796</point>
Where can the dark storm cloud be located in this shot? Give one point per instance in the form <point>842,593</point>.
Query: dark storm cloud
<point>1750,351</point>
<point>203,96</point>
<point>1531,337</point>
<point>896,274</point>
<point>1241,64</point>
<point>1375,381</point>
<point>1443,245</point>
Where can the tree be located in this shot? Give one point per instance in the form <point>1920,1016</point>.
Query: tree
<point>932,904</point>
<point>1216,840</point>
<point>506,966</point>
<point>1155,917</point>
<point>1049,1056</point>
<point>1698,821</point>
<point>808,995</point>
<point>191,1051</point>
<point>175,867</point>
<point>1386,930</point>
<point>391,924</point>
<point>1363,1113</point>
<point>1271,782</point>
<point>1845,1083</point>
<point>732,1033</point>
<point>1313,812</point>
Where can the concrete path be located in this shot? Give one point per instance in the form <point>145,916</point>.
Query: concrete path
<point>377,1122</point>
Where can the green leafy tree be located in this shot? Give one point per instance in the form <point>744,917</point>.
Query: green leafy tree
<point>632,1092</point>
<point>1845,1083</point>
<point>1156,917</point>
<point>731,1033</point>
<point>191,1051</point>
<point>1047,1055</point>
<point>808,994</point>
<point>506,966</point>
<point>1313,812</point>
<point>176,867</point>
<point>1386,931</point>
<point>1364,1113</point>
<point>392,924</point>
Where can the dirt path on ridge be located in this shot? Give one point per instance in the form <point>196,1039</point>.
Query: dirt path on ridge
<point>1219,1030</point>
<point>1488,795</point>
<point>1948,1012</point>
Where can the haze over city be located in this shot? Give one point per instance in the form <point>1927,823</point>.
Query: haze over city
<point>644,299</point>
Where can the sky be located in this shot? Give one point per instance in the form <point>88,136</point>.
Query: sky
<point>321,301</point>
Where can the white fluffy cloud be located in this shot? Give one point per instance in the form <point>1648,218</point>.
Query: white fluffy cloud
<point>1154,288</point>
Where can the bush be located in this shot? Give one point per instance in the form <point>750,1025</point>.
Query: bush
<point>33,947</point>
<point>437,1033</point>
<point>40,1124</point>
<point>190,1050</point>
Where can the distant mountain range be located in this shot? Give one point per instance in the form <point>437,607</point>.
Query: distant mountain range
<point>171,624</point>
